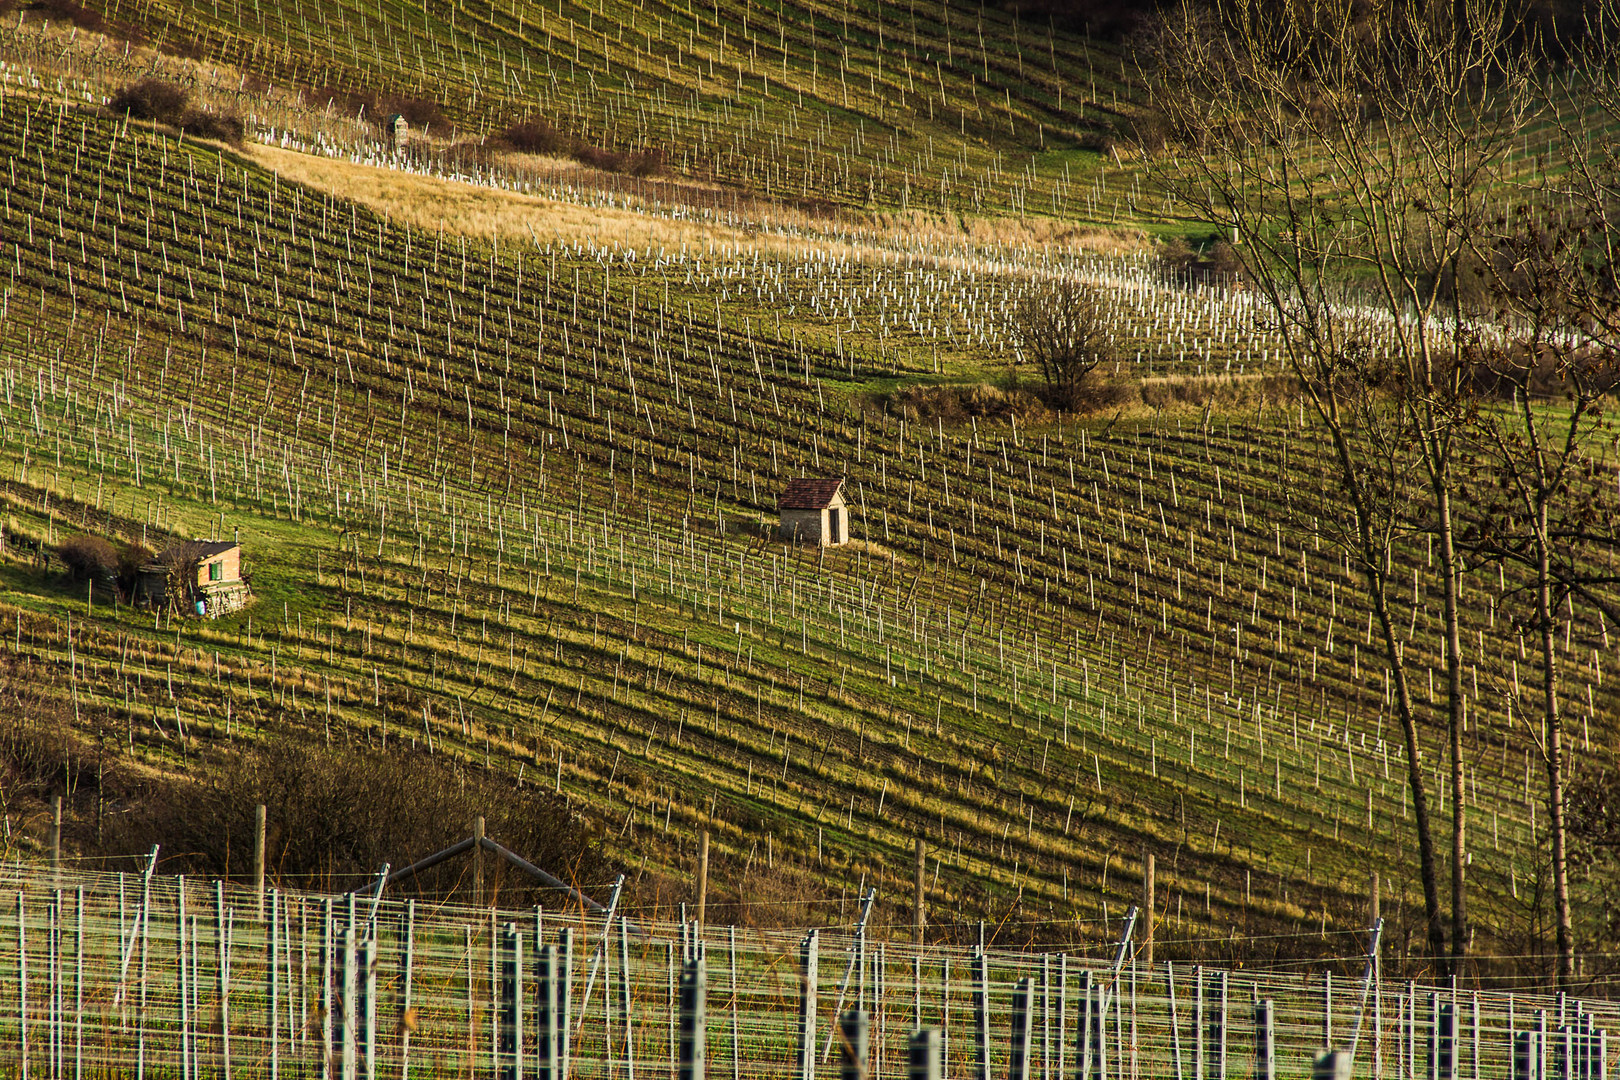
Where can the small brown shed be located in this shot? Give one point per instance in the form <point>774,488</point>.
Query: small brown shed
<point>201,576</point>
<point>814,511</point>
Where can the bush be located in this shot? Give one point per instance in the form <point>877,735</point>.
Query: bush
<point>73,12</point>
<point>152,99</point>
<point>335,814</point>
<point>533,136</point>
<point>90,558</point>
<point>1062,328</point>
<point>227,129</point>
<point>130,561</point>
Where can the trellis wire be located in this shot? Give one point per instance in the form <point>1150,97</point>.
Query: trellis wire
<point>321,987</point>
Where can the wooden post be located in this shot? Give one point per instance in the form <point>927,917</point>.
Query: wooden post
<point>478,861</point>
<point>920,916</point>
<point>259,815</point>
<point>56,836</point>
<point>1373,905</point>
<point>1147,911</point>
<point>703,877</point>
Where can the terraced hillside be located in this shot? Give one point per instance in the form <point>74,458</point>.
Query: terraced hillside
<point>938,106</point>
<point>501,504</point>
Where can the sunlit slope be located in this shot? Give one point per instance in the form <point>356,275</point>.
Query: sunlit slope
<point>935,105</point>
<point>503,503</point>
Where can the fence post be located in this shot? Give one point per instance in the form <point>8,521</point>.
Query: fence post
<point>1327,1010</point>
<point>564,975</point>
<point>347,1012</point>
<point>1265,1040</point>
<point>920,915</point>
<point>56,838</point>
<point>694,994</point>
<point>1200,1032</point>
<point>259,817</point>
<point>1217,1023</point>
<point>625,1015</point>
<point>1445,1042</point>
<point>1523,1062</point>
<point>925,1057</point>
<point>809,964</point>
<point>854,1029</point>
<point>22,985</point>
<point>1018,1064</point>
<point>478,861</point>
<point>1088,1021</point>
<point>547,1014</point>
<point>1333,1065</point>
<point>511,1004</point>
<point>367,1016</point>
<point>703,877</point>
<point>981,1010</point>
<point>274,996</point>
<point>1147,910</point>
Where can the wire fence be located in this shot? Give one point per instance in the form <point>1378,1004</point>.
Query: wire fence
<point>136,975</point>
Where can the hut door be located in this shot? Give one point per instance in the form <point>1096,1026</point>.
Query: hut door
<point>834,526</point>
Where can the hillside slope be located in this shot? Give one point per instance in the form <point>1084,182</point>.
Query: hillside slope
<point>503,503</point>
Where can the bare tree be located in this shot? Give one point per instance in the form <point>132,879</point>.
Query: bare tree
<point>1354,150</point>
<point>1550,279</point>
<point>1061,328</point>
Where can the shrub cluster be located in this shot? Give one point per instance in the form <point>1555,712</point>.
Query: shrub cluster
<point>165,103</point>
<point>537,135</point>
<point>93,558</point>
<point>335,814</point>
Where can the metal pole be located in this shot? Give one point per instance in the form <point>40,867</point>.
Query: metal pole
<point>809,961</point>
<point>854,1031</point>
<point>925,1057</point>
<point>548,1031</point>
<point>981,1011</point>
<point>511,1003</point>
<point>1018,1065</point>
<point>1265,1040</point>
<point>694,1032</point>
<point>856,954</point>
<point>1147,910</point>
<point>478,861</point>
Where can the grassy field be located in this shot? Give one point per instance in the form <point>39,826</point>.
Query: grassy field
<point>503,501</point>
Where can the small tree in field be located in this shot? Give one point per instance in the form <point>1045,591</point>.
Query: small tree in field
<point>1060,327</point>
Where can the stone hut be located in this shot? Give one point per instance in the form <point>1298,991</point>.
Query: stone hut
<point>398,131</point>
<point>199,576</point>
<point>814,511</point>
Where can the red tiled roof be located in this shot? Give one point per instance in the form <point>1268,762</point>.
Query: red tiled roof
<point>809,493</point>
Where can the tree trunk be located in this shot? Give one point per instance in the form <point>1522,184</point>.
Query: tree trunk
<point>1414,775</point>
<point>1554,757</point>
<point>1454,720</point>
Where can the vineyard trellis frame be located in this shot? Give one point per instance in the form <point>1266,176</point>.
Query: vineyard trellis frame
<point>319,987</point>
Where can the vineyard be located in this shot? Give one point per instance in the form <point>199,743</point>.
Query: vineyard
<point>182,976</point>
<point>941,107</point>
<point>504,504</point>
